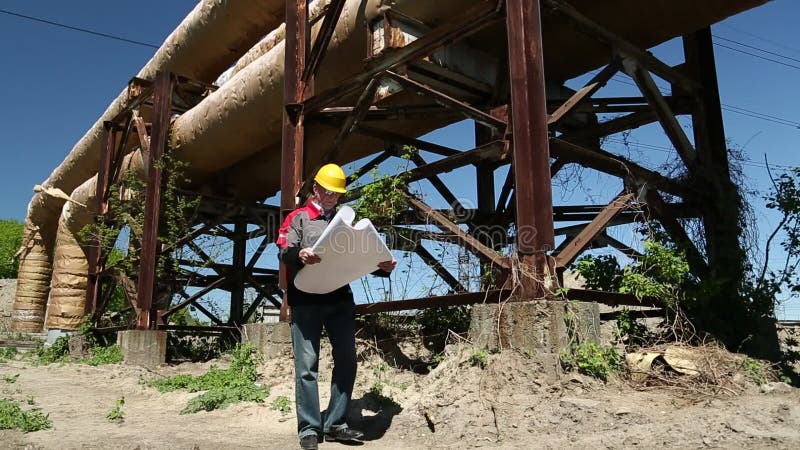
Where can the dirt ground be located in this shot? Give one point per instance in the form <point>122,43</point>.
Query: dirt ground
<point>514,401</point>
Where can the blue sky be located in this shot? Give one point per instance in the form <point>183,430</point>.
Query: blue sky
<point>56,82</point>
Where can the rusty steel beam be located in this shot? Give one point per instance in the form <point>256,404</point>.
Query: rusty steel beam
<point>162,102</point>
<point>252,308</point>
<point>194,297</point>
<point>592,230</point>
<point>611,164</point>
<point>362,105</point>
<point>666,117</point>
<point>440,270</point>
<point>261,290</point>
<point>190,236</point>
<point>371,164</point>
<point>483,252</point>
<point>469,298</point>
<point>721,205</point>
<point>323,39</point>
<point>388,112</point>
<point>292,138</point>
<point>461,26</point>
<point>613,126</point>
<point>94,253</point>
<point>260,250</point>
<point>440,187</point>
<point>203,310</point>
<point>505,190</point>
<point>532,188</point>
<point>494,151</point>
<point>611,298</point>
<point>445,100</point>
<point>605,239</point>
<point>614,41</point>
<point>238,263</point>
<point>594,85</point>
<point>405,140</point>
<point>144,138</point>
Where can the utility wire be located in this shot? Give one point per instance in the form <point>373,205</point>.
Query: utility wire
<point>82,30</point>
<point>757,56</point>
<point>661,148</point>
<point>716,36</point>
<point>761,38</point>
<point>735,109</point>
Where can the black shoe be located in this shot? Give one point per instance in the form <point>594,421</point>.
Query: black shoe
<point>309,442</point>
<point>344,435</point>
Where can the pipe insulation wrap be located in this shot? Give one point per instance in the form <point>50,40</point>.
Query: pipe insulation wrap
<point>211,37</point>
<point>65,308</point>
<point>236,121</point>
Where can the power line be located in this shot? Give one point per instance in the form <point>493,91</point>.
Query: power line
<point>735,109</point>
<point>82,30</point>
<point>757,56</point>
<point>661,148</point>
<point>761,38</point>
<point>756,48</point>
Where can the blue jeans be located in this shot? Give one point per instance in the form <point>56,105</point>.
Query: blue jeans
<point>338,319</point>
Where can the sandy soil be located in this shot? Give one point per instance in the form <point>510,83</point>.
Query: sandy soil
<point>513,402</point>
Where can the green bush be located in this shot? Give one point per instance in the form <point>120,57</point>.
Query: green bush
<point>58,352</point>
<point>8,353</point>
<point>13,417</point>
<point>10,241</point>
<point>105,355</point>
<point>591,359</point>
<point>282,404</point>
<point>223,387</point>
<point>480,358</point>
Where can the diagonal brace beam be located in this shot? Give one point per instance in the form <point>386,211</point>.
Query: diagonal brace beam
<point>483,252</point>
<point>578,98</point>
<point>592,230</point>
<point>323,39</point>
<point>600,33</point>
<point>665,115</point>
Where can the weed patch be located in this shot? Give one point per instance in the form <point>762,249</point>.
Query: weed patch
<point>117,414</point>
<point>12,417</point>
<point>223,387</point>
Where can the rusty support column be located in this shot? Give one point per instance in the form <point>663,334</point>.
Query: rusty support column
<point>534,203</point>
<point>238,263</point>
<point>103,177</point>
<point>721,203</point>
<point>293,118</point>
<point>162,105</point>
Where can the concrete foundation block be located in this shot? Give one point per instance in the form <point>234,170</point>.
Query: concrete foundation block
<point>270,339</point>
<point>534,327</point>
<point>146,348</point>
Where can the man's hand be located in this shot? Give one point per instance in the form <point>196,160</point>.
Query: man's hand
<point>387,266</point>
<point>307,256</point>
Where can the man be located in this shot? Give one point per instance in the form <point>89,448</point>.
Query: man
<point>310,313</point>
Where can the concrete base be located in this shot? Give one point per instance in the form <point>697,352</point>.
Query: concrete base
<point>270,339</point>
<point>146,348</point>
<point>533,327</point>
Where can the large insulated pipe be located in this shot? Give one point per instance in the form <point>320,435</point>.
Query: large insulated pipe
<point>245,114</point>
<point>208,41</point>
<point>65,310</point>
<point>242,117</point>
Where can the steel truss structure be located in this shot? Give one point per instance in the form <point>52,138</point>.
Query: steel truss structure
<point>522,129</point>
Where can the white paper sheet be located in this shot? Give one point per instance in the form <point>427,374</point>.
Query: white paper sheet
<point>347,252</point>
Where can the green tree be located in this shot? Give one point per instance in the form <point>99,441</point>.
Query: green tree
<point>10,241</point>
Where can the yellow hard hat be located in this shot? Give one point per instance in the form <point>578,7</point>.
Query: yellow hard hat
<point>331,177</point>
